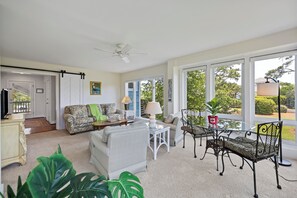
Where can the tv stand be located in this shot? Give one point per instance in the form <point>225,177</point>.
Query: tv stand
<point>13,142</point>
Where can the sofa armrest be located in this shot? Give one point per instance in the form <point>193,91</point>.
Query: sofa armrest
<point>69,118</point>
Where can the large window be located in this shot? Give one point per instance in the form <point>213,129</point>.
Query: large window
<point>144,91</point>
<point>196,89</point>
<point>227,81</point>
<point>278,68</point>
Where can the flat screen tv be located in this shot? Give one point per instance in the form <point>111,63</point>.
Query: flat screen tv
<point>4,103</point>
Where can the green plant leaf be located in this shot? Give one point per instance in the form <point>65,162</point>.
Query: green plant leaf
<point>83,185</point>
<point>127,186</point>
<point>23,190</point>
<point>51,177</point>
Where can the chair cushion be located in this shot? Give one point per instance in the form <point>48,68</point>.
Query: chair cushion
<point>246,147</point>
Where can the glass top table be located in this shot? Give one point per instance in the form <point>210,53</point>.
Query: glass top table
<point>224,128</point>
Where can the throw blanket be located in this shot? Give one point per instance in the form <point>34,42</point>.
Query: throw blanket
<point>96,113</point>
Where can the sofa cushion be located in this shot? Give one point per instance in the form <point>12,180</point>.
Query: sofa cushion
<point>84,120</point>
<point>117,129</point>
<point>169,118</point>
<point>78,111</point>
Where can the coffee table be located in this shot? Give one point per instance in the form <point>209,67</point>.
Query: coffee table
<point>101,124</point>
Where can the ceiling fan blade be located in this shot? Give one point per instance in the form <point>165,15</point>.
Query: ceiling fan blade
<point>104,50</point>
<point>124,58</point>
<point>126,49</point>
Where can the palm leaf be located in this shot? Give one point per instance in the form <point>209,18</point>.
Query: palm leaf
<point>51,177</point>
<point>83,185</point>
<point>127,186</point>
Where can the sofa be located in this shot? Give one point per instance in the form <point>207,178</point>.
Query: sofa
<point>115,149</point>
<point>78,118</point>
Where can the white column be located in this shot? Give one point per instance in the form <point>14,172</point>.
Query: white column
<point>154,90</point>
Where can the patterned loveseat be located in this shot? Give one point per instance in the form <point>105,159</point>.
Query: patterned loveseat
<point>78,118</point>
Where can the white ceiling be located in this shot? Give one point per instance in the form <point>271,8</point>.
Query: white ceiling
<point>67,31</point>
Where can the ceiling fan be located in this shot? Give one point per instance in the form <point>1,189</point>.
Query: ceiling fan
<point>122,50</point>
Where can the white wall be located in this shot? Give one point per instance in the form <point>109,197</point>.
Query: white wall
<point>110,81</point>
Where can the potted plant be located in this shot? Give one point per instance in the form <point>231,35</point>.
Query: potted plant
<point>55,176</point>
<point>213,107</point>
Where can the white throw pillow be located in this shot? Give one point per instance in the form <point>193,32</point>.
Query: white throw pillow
<point>169,119</point>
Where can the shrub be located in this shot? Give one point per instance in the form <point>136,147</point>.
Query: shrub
<point>283,99</point>
<point>264,106</point>
<point>283,108</point>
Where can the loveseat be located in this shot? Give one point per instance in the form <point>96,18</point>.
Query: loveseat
<point>78,118</point>
<point>115,149</point>
<point>175,123</point>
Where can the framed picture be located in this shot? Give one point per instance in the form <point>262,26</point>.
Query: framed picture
<point>95,88</point>
<point>39,90</point>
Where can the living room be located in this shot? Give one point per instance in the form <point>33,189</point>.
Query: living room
<point>46,36</point>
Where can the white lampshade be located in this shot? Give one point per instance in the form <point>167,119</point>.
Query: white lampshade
<point>153,108</point>
<point>267,89</point>
<point>126,100</point>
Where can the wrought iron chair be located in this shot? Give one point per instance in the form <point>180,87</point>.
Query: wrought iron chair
<point>256,146</point>
<point>191,120</point>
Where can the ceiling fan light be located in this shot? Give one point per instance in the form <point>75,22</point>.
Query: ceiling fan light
<point>125,59</point>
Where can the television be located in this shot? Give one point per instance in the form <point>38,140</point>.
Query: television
<point>4,103</point>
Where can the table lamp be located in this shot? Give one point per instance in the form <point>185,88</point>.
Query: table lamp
<point>126,100</point>
<point>153,108</point>
<point>273,89</point>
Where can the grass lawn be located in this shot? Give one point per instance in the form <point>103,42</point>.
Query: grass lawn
<point>288,132</point>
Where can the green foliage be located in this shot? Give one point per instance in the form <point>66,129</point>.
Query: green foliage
<point>128,185</point>
<point>282,69</point>
<point>54,176</point>
<point>264,106</point>
<point>227,88</point>
<point>84,185</point>
<point>147,93</point>
<point>283,99</point>
<point>288,90</point>
<point>19,96</point>
<point>196,90</point>
<point>283,109</point>
<point>213,106</point>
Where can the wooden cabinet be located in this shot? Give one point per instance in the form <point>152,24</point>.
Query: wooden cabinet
<point>13,142</point>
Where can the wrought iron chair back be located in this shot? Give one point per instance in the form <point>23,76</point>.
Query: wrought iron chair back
<point>265,145</point>
<point>268,137</point>
<point>192,121</point>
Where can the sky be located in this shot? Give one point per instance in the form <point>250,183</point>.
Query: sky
<point>261,67</point>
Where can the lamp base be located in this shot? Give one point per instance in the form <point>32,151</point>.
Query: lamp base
<point>283,162</point>
<point>152,123</point>
<point>126,106</point>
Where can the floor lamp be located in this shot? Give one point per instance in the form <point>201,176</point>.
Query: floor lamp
<point>273,89</point>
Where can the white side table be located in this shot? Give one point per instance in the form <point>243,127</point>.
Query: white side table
<point>159,137</point>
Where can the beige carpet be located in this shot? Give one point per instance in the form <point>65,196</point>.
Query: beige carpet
<point>173,175</point>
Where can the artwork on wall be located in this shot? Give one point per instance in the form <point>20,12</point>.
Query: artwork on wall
<point>169,90</point>
<point>39,90</point>
<point>95,88</point>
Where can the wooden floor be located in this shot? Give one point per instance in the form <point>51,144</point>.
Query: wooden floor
<point>37,125</point>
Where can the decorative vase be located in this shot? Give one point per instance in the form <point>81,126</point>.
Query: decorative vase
<point>213,119</point>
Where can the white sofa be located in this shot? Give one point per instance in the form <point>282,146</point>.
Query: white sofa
<point>119,148</point>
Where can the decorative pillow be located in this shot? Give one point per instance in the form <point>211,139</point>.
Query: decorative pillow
<point>110,108</point>
<point>79,111</point>
<point>175,121</point>
<point>169,119</point>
